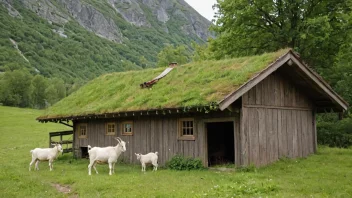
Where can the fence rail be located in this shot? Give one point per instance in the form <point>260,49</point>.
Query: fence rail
<point>67,142</point>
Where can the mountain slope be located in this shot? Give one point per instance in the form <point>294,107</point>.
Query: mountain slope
<point>84,39</point>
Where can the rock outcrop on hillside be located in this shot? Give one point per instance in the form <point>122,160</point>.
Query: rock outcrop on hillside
<point>78,40</point>
<point>102,21</point>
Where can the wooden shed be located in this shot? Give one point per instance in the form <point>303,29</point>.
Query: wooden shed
<point>249,110</point>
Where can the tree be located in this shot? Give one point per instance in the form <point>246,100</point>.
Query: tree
<point>342,75</point>
<point>314,28</point>
<point>201,52</point>
<point>16,88</point>
<point>169,54</point>
<point>39,84</point>
<point>55,91</point>
<point>143,62</point>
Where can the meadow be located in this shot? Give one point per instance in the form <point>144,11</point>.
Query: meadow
<point>325,174</point>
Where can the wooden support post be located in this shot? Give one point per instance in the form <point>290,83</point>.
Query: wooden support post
<point>66,124</point>
<point>315,130</point>
<point>340,115</point>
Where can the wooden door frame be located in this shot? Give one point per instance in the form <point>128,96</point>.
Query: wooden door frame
<point>235,122</point>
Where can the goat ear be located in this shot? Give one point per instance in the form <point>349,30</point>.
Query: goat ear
<point>136,154</point>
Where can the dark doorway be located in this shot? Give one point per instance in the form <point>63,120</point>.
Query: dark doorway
<point>220,143</point>
<point>84,152</point>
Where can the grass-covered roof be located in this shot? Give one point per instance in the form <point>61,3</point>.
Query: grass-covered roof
<point>190,85</point>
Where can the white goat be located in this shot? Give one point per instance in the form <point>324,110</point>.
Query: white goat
<point>45,154</point>
<point>108,154</point>
<point>150,158</point>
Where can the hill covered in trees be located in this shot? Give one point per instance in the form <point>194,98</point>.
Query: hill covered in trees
<point>82,39</point>
<point>49,48</point>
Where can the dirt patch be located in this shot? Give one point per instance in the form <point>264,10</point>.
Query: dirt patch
<point>64,189</point>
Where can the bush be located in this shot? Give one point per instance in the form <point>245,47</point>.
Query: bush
<point>179,162</point>
<point>335,133</point>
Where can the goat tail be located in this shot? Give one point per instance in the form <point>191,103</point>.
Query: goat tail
<point>31,151</point>
<point>156,153</point>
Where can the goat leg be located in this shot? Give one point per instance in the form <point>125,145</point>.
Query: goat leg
<point>95,168</point>
<point>30,164</point>
<point>110,168</point>
<point>51,164</point>
<point>37,165</point>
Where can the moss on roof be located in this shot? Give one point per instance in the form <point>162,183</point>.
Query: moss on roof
<point>194,84</point>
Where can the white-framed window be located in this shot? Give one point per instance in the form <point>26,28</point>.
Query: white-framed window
<point>127,128</point>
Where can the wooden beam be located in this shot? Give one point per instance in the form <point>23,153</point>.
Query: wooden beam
<point>278,107</point>
<point>65,124</point>
<point>227,119</point>
<point>253,81</point>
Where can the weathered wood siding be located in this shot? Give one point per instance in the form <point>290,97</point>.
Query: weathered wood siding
<point>276,121</point>
<point>155,133</point>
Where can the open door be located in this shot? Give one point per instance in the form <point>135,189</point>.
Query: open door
<point>84,152</point>
<point>221,147</point>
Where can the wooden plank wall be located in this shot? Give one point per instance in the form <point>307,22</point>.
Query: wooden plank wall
<point>277,121</point>
<point>150,134</point>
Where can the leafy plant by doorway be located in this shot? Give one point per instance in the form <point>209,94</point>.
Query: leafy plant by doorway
<point>179,162</point>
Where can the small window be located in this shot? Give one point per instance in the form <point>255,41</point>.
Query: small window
<point>127,128</point>
<point>82,130</point>
<point>110,128</point>
<point>186,129</point>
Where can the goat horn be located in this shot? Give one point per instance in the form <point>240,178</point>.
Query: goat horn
<point>119,138</point>
<point>116,138</point>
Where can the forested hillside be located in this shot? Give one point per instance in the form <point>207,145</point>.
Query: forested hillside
<point>49,48</point>
<point>84,39</point>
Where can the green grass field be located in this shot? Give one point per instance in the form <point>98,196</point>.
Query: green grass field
<point>326,174</point>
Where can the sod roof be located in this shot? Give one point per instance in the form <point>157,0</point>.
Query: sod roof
<point>190,85</point>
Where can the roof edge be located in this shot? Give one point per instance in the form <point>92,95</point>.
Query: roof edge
<point>319,81</point>
<point>232,97</point>
<point>207,108</point>
<point>290,55</point>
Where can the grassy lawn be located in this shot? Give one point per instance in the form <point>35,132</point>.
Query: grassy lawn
<point>326,174</point>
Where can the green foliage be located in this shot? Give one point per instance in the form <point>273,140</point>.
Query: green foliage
<point>39,84</point>
<point>316,29</point>
<point>341,73</point>
<point>171,54</point>
<point>16,88</point>
<point>83,55</point>
<point>334,132</point>
<point>323,175</point>
<point>179,162</point>
<point>22,89</point>
<point>186,86</point>
<point>201,52</point>
<point>55,91</point>
<point>239,189</point>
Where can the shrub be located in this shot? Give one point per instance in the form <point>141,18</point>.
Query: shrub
<point>179,162</point>
<point>335,133</point>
